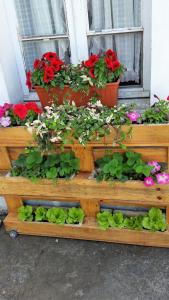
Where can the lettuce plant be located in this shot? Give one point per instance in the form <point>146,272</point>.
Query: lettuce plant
<point>56,215</point>
<point>40,214</point>
<point>103,219</point>
<point>25,213</point>
<point>116,220</point>
<point>75,216</point>
<point>155,220</point>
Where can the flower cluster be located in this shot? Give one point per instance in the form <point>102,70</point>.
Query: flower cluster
<point>45,69</point>
<point>98,70</point>
<point>156,175</point>
<point>18,114</point>
<point>5,120</point>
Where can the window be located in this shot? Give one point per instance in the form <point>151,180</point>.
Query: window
<point>42,28</point>
<point>77,28</point>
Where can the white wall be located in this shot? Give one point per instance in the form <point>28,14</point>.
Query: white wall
<point>160,49</point>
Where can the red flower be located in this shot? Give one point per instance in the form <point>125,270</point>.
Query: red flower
<point>20,110</point>
<point>168,98</point>
<point>33,106</point>
<point>91,73</point>
<point>91,61</point>
<point>37,63</point>
<point>112,65</point>
<point>56,64</point>
<point>109,63</point>
<point>50,56</point>
<point>28,80</point>
<point>111,54</point>
<point>116,65</point>
<point>49,74</point>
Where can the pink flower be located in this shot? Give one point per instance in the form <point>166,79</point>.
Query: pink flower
<point>148,181</point>
<point>162,178</point>
<point>7,106</point>
<point>133,116</point>
<point>5,121</point>
<point>1,111</point>
<point>156,166</point>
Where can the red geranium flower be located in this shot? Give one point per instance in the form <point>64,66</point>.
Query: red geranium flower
<point>37,63</point>
<point>116,65</point>
<point>28,80</point>
<point>111,54</point>
<point>91,61</point>
<point>91,73</point>
<point>56,64</point>
<point>49,74</point>
<point>109,63</point>
<point>50,56</point>
<point>33,106</point>
<point>20,110</point>
<point>168,98</point>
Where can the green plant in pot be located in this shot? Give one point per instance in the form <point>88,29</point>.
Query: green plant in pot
<point>54,80</point>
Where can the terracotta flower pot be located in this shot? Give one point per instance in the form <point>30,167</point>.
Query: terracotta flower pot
<point>107,95</point>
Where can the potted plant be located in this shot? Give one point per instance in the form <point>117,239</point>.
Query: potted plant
<point>53,80</point>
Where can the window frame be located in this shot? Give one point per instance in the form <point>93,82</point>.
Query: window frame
<point>76,15</point>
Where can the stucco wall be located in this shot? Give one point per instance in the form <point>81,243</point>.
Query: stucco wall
<point>160,49</point>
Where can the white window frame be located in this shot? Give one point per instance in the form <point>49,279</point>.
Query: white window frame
<point>78,31</point>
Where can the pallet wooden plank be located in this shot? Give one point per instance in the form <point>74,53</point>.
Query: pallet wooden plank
<point>83,188</point>
<point>88,232</point>
<point>5,163</point>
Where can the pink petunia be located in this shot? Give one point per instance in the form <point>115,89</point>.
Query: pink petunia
<point>1,111</point>
<point>5,121</point>
<point>133,116</point>
<point>162,178</point>
<point>148,181</point>
<point>156,166</point>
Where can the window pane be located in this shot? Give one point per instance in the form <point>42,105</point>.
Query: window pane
<point>36,49</point>
<point>129,51</point>
<point>110,14</point>
<point>41,17</point>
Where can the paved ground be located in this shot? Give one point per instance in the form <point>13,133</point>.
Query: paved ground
<point>34,268</point>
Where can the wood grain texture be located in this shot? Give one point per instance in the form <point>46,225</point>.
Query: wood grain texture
<point>5,163</point>
<point>81,187</point>
<point>88,231</point>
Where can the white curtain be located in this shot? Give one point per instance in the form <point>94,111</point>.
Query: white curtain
<point>42,17</point>
<point>108,14</point>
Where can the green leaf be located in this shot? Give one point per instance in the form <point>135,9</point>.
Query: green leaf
<point>25,213</point>
<point>116,220</point>
<point>52,173</point>
<point>103,219</point>
<point>40,214</point>
<point>56,215</point>
<point>75,216</point>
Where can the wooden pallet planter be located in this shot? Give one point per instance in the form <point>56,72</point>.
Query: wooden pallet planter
<point>90,195</point>
<point>152,141</point>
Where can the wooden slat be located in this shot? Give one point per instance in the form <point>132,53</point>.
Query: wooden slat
<point>153,153</point>
<point>142,135</point>
<point>5,163</point>
<point>88,232</point>
<point>13,202</point>
<point>85,154</point>
<point>83,188</point>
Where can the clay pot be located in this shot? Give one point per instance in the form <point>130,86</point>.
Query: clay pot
<point>108,95</point>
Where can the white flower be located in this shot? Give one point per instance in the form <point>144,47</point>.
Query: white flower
<point>55,139</point>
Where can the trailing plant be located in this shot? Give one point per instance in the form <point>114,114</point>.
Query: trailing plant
<point>25,213</point>
<point>62,124</point>
<point>75,215</point>
<point>33,164</point>
<point>122,166</point>
<point>153,220</point>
